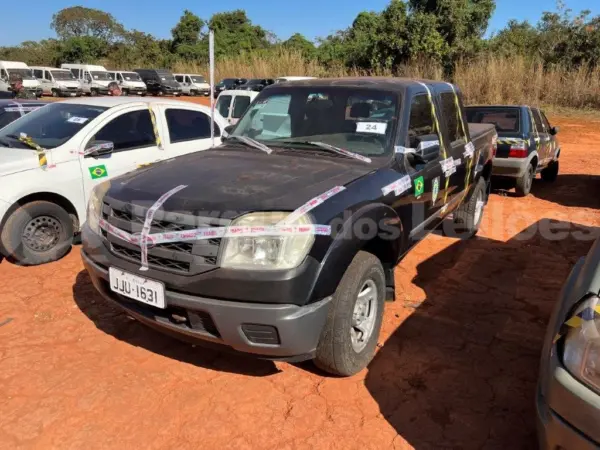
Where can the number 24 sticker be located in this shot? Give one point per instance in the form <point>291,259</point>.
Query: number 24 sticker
<point>371,127</point>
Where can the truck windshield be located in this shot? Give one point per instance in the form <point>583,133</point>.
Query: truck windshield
<point>197,79</point>
<point>63,75</point>
<point>26,74</point>
<point>100,75</point>
<point>52,125</point>
<point>507,120</point>
<point>131,76</point>
<point>362,121</point>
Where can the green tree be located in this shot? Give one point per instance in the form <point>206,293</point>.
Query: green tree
<point>78,22</point>
<point>518,38</point>
<point>297,42</point>
<point>186,34</point>
<point>83,49</point>
<point>235,33</point>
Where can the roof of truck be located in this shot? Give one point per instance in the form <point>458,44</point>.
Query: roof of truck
<point>496,106</point>
<point>390,83</point>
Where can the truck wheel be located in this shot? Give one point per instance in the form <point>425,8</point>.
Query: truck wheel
<point>125,92</point>
<point>349,337</point>
<point>37,233</point>
<point>93,93</point>
<point>524,183</point>
<point>550,173</point>
<point>468,216</point>
<point>55,93</point>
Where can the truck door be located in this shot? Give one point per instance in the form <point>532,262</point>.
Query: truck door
<point>454,129</point>
<point>132,134</point>
<point>428,187</point>
<point>188,130</point>
<point>544,139</point>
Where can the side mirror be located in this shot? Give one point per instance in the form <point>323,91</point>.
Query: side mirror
<point>428,149</point>
<point>554,131</point>
<point>98,148</point>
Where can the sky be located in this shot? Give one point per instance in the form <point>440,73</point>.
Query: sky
<point>313,18</point>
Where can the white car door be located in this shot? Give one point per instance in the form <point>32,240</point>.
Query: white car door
<point>132,134</point>
<point>188,130</point>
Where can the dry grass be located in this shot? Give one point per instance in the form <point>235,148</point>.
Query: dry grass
<point>486,80</point>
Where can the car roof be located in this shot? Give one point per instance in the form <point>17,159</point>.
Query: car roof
<point>110,102</point>
<point>18,101</point>
<point>239,92</point>
<point>389,83</point>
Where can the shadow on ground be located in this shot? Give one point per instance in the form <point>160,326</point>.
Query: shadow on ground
<point>113,321</point>
<point>460,372</point>
<point>569,190</point>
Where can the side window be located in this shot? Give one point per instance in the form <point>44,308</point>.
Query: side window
<point>187,125</point>
<point>239,106</point>
<point>539,124</point>
<point>421,121</point>
<point>111,75</point>
<point>3,74</point>
<point>88,77</point>
<point>47,75</point>
<point>223,104</point>
<point>188,80</point>
<point>39,74</point>
<point>129,131</point>
<point>452,117</point>
<point>75,73</point>
<point>119,77</point>
<point>545,120</point>
<point>179,78</point>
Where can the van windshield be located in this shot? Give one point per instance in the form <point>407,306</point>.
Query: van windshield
<point>197,79</point>
<point>26,74</point>
<point>62,75</point>
<point>51,125</point>
<point>98,75</point>
<point>131,76</point>
<point>362,121</point>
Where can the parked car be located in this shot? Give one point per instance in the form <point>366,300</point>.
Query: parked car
<point>130,82</point>
<point>256,84</point>
<point>52,158</point>
<point>228,84</point>
<point>21,69</point>
<point>527,143</point>
<point>94,79</point>
<point>568,391</point>
<point>246,272</point>
<point>284,79</point>
<point>192,84</point>
<point>233,104</point>
<point>160,82</point>
<point>11,110</point>
<point>57,82</point>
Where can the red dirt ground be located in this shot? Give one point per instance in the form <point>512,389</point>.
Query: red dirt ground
<point>456,367</point>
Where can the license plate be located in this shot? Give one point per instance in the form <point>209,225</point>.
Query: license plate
<point>138,288</point>
<point>73,94</point>
<point>139,93</point>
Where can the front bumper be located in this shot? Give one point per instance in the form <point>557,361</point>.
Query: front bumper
<point>66,92</point>
<point>509,167</point>
<point>267,330</point>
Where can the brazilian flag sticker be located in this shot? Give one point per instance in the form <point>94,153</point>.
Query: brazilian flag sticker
<point>98,172</point>
<point>419,186</point>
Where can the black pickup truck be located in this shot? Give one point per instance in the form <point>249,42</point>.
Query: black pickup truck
<point>282,242</point>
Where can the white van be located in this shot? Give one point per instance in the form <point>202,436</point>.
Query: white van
<point>30,83</point>
<point>94,79</point>
<point>52,158</point>
<point>57,82</point>
<point>192,84</point>
<point>130,82</point>
<point>233,103</point>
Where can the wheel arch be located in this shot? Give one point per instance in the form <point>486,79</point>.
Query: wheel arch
<point>51,197</point>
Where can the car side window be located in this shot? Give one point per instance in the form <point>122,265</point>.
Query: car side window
<point>119,77</point>
<point>188,80</point>
<point>187,125</point>
<point>88,77</point>
<point>179,78</point>
<point>421,122</point>
<point>47,75</point>
<point>223,104</point>
<point>539,125</point>
<point>39,74</point>
<point>3,74</point>
<point>451,115</point>
<point>240,105</point>
<point>75,73</point>
<point>129,131</point>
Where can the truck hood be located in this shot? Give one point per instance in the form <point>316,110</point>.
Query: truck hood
<point>234,180</point>
<point>69,84</point>
<point>31,83</point>
<point>202,85</point>
<point>138,84</point>
<point>13,160</point>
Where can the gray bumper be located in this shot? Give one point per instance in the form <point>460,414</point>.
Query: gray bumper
<point>298,328</point>
<point>508,167</point>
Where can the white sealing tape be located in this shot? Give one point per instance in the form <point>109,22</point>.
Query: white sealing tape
<point>311,204</point>
<point>21,109</point>
<point>469,150</point>
<point>398,186</point>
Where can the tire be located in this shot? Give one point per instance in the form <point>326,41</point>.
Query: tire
<point>93,93</point>
<point>125,92</point>
<point>55,93</point>
<point>468,217</point>
<point>55,218</point>
<point>550,173</point>
<point>336,352</point>
<point>523,186</point>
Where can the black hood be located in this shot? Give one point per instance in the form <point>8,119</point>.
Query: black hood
<point>170,83</point>
<point>236,180</point>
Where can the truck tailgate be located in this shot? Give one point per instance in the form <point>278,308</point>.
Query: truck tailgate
<point>482,135</point>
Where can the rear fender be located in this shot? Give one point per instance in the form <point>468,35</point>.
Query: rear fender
<point>375,228</point>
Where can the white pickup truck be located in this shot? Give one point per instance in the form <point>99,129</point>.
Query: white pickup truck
<point>51,158</point>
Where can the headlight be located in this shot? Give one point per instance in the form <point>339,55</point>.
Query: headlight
<point>266,252</point>
<point>94,210</point>
<point>582,345</point>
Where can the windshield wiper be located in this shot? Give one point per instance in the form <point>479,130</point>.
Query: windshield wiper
<point>252,143</point>
<point>332,148</point>
<point>27,141</point>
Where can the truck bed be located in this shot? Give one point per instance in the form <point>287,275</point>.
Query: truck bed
<point>478,131</point>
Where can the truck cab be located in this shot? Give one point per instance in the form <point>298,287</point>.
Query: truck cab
<point>282,242</point>
<point>57,82</point>
<point>30,82</point>
<point>94,79</point>
<point>130,82</point>
<point>192,84</point>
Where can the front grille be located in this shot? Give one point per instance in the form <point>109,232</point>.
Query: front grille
<point>188,257</point>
